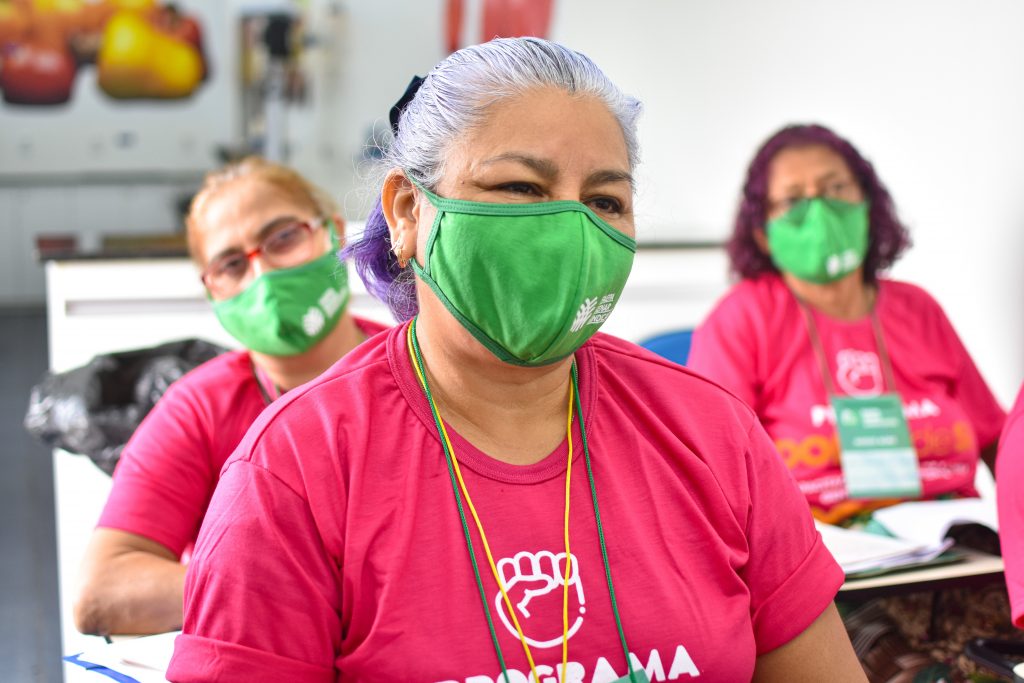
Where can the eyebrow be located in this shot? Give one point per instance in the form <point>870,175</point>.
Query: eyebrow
<point>260,235</point>
<point>549,170</point>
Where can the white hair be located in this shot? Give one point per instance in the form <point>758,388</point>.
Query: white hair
<point>457,92</point>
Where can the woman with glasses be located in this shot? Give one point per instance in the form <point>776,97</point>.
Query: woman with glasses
<point>499,493</point>
<point>836,359</point>
<point>265,241</point>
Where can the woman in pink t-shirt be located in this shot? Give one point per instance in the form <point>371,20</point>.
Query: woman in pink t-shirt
<point>493,491</point>
<point>1011,506</point>
<point>264,239</point>
<point>814,331</point>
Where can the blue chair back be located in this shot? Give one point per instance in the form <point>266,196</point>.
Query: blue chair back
<point>675,346</point>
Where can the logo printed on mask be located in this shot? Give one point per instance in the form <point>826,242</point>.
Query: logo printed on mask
<point>843,262</point>
<point>533,582</point>
<point>331,300</point>
<point>859,373</point>
<point>314,319</point>
<point>593,313</point>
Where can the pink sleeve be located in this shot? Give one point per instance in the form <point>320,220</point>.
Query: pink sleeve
<point>1009,480</point>
<point>791,575</point>
<point>262,596</point>
<point>164,478</point>
<point>986,415</point>
<point>723,350</point>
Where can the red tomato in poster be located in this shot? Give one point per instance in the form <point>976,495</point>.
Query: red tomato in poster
<point>37,73</point>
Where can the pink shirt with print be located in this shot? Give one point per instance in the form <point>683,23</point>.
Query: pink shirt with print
<point>756,344</point>
<point>333,550</point>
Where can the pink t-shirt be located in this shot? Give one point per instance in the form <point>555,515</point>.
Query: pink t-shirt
<point>333,549</point>
<point>1009,482</point>
<point>169,468</point>
<point>756,344</point>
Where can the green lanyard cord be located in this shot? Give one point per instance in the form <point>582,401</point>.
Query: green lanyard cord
<point>458,502</point>
<point>600,528</point>
<point>449,456</point>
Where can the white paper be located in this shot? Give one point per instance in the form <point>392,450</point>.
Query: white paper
<point>928,521</point>
<point>145,659</point>
<point>859,550</point>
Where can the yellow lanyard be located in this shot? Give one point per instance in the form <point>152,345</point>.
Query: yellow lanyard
<point>483,537</point>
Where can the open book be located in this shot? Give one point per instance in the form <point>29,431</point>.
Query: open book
<point>918,531</point>
<point>859,552</point>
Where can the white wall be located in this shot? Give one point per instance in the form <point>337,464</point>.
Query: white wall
<point>929,90</point>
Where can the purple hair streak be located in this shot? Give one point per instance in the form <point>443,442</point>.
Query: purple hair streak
<point>377,267</point>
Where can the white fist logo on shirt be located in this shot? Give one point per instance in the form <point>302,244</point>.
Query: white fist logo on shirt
<point>533,582</point>
<point>859,373</point>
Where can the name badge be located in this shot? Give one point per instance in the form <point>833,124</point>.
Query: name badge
<point>877,456</point>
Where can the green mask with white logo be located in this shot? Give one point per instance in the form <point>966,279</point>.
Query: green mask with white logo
<point>820,240</point>
<point>532,282</point>
<point>285,312</point>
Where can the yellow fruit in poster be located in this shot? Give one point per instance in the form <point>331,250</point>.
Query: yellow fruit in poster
<point>138,61</point>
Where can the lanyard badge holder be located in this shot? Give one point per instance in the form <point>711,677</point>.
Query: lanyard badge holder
<point>877,456</point>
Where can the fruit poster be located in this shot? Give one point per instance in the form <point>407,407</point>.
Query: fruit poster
<point>125,84</point>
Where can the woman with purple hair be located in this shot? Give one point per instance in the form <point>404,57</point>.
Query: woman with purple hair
<point>835,359</point>
<point>494,491</point>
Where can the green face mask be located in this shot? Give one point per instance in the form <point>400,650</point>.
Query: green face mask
<point>285,312</point>
<point>820,240</point>
<point>532,282</point>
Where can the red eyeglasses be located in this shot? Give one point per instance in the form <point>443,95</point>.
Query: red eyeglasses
<point>285,246</point>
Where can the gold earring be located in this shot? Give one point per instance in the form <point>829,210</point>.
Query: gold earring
<point>397,249</point>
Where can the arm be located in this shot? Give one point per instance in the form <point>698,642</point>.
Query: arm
<point>128,584</point>
<point>821,653</point>
<point>130,579</point>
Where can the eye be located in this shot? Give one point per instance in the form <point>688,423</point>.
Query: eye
<point>284,239</point>
<point>608,205</point>
<point>232,266</point>
<point>839,188</point>
<point>519,188</point>
<point>786,203</point>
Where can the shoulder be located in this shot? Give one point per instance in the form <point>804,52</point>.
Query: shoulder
<point>903,301</point>
<point>906,293</point>
<point>752,298</point>
<point>217,378</point>
<point>674,393</point>
<point>346,391</point>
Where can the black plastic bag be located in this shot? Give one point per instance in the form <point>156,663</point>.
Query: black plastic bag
<point>94,409</point>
